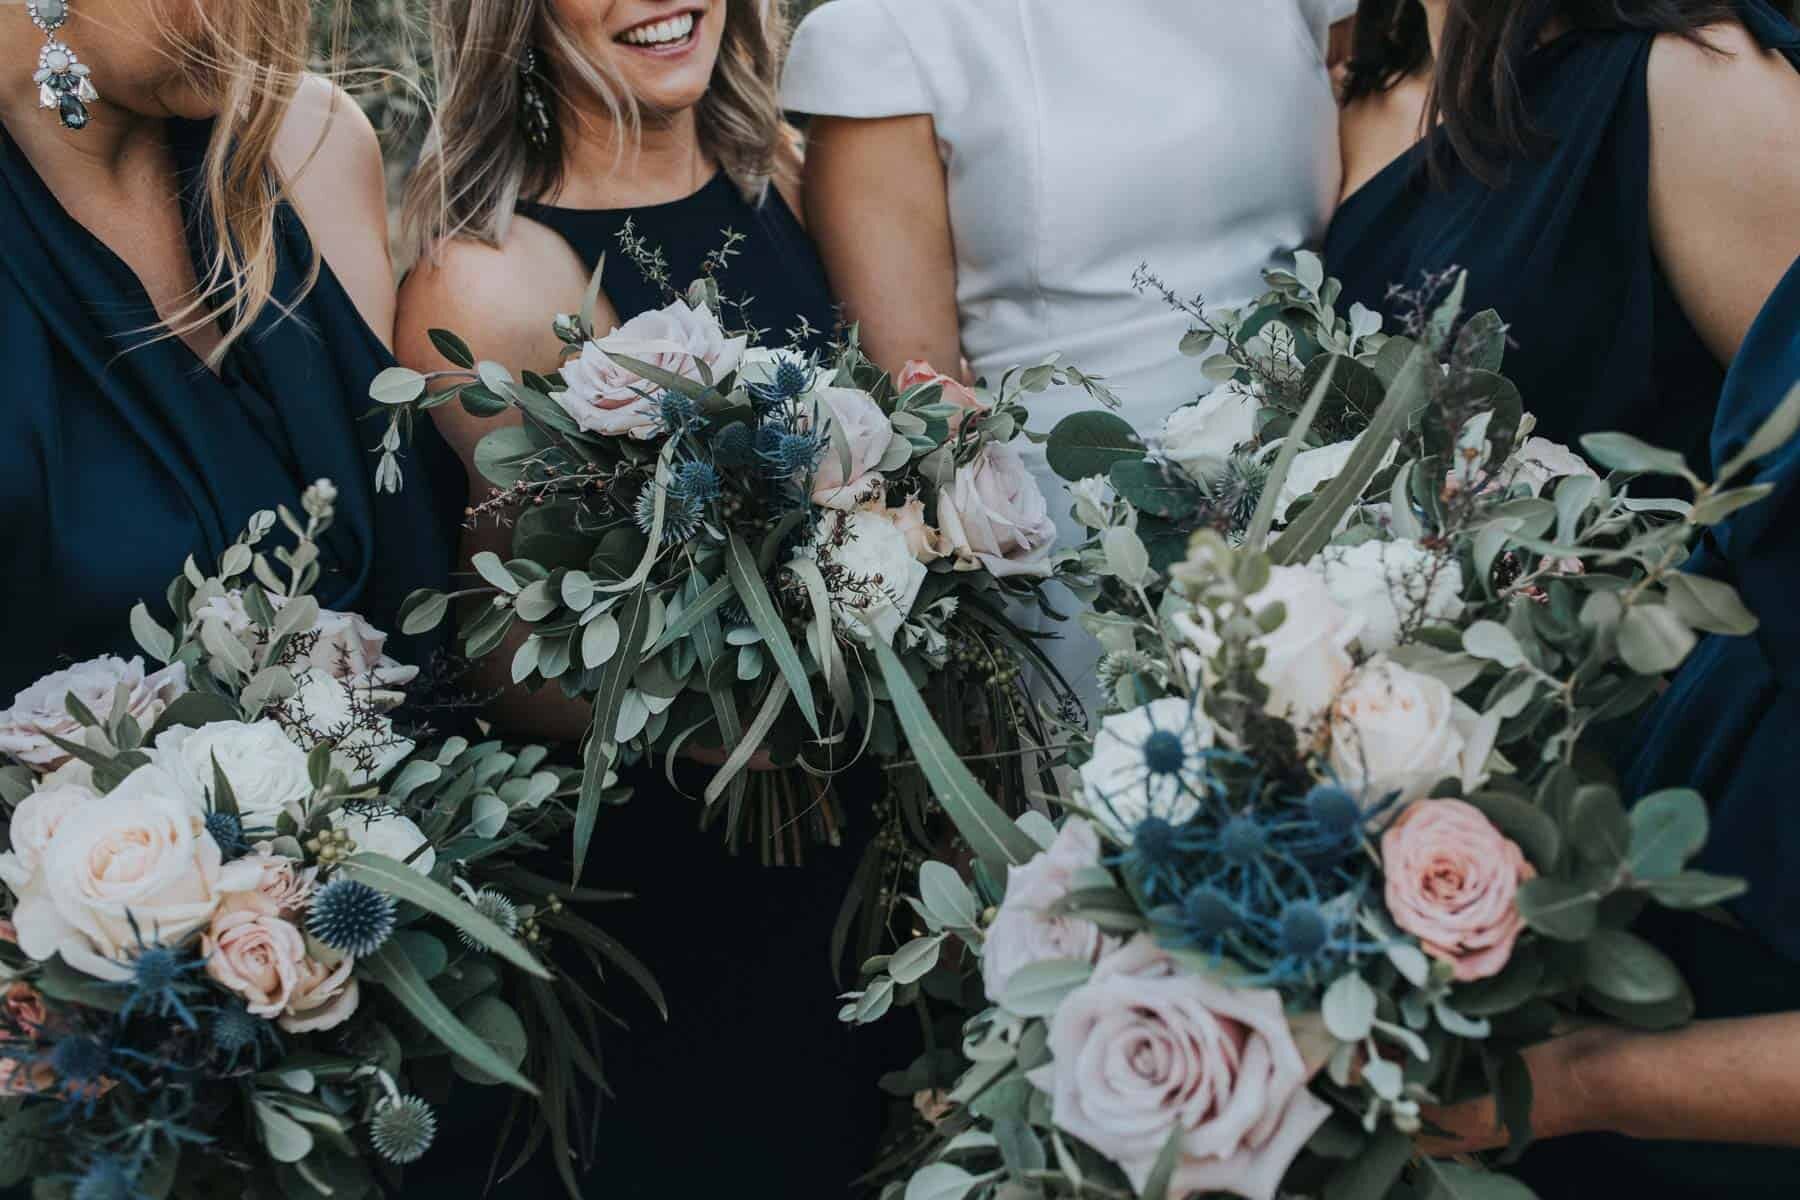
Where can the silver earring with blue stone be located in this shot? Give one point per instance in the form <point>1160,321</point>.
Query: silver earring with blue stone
<point>61,78</point>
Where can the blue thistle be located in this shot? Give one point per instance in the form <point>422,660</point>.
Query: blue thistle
<point>793,454</point>
<point>682,514</point>
<point>733,447</point>
<point>1303,931</point>
<point>237,1031</point>
<point>351,917</point>
<point>1164,753</point>
<point>1334,810</point>
<point>106,1178</point>
<point>677,411</point>
<point>227,829</point>
<point>161,983</point>
<point>80,1059</point>
<point>402,1130</point>
<point>697,481</point>
<point>791,380</point>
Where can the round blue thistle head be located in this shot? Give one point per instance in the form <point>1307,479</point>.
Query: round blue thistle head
<point>1207,914</point>
<point>351,917</point>
<point>790,380</point>
<point>733,447</point>
<point>1164,753</point>
<point>1154,842</point>
<point>402,1130</point>
<point>156,969</point>
<point>1243,840</point>
<point>1334,809</point>
<point>106,1178</point>
<point>227,829</point>
<point>1304,930</point>
<point>797,452</point>
<point>697,481</point>
<point>677,411</point>
<point>682,514</point>
<point>767,442</point>
<point>79,1059</point>
<point>236,1029</point>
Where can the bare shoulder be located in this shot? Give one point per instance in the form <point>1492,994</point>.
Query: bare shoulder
<point>328,154</point>
<point>1723,83</point>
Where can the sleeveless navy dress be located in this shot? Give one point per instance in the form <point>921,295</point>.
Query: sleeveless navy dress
<point>124,455</point>
<point>1561,248</point>
<point>752,1087</point>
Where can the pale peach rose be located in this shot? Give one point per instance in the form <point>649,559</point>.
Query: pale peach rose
<point>1144,1051</point>
<point>324,997</point>
<point>995,518</point>
<point>25,1009</point>
<point>857,435</point>
<point>1453,882</point>
<point>1025,930</point>
<point>257,956</point>
<point>606,397</point>
<point>927,544</point>
<point>917,372</point>
<point>41,711</point>
<point>283,888</point>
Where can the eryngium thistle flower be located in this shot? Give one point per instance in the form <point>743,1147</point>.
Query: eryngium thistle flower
<point>351,917</point>
<point>227,829</point>
<point>496,908</point>
<point>401,1130</point>
<point>733,448</point>
<point>1237,487</point>
<point>236,1029</point>
<point>682,514</point>
<point>697,481</point>
<point>790,379</point>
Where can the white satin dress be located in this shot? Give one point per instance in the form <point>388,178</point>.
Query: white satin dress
<point>1082,139</point>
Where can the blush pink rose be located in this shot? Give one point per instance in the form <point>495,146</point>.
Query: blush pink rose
<point>1025,931</point>
<point>257,956</point>
<point>283,888</point>
<point>25,1009</point>
<point>917,372</point>
<point>324,997</point>
<point>41,711</point>
<point>606,397</point>
<point>1452,882</point>
<point>994,516</point>
<point>857,436</point>
<point>1144,1051</point>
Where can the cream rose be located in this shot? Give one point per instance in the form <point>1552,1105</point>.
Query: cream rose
<point>325,996</point>
<point>34,825</point>
<point>1200,437</point>
<point>877,576</point>
<point>1452,882</point>
<point>858,435</point>
<point>1389,586</point>
<point>603,396</point>
<point>1143,766</point>
<point>995,518</point>
<point>257,957</point>
<point>1144,1051</point>
<point>282,887</point>
<point>41,711</point>
<point>388,833</point>
<point>1395,730</point>
<point>134,863</point>
<point>1025,931</point>
<point>1313,469</point>
<point>927,544</point>
<point>959,396</point>
<point>1305,659</point>
<point>266,770</point>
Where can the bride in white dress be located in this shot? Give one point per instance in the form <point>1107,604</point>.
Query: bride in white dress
<point>984,177</point>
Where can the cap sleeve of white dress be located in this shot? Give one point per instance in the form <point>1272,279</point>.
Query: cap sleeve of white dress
<point>850,58</point>
<point>1321,15</point>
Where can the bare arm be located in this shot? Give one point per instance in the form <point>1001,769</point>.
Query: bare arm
<point>1724,177</point>
<point>1714,1081</point>
<point>329,154</point>
<point>878,205</point>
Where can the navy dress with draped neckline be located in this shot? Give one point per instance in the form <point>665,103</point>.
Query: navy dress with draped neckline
<point>752,1087</point>
<point>1561,248</point>
<point>125,454</point>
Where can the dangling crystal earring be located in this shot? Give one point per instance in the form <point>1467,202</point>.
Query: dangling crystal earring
<point>62,79</point>
<point>534,113</point>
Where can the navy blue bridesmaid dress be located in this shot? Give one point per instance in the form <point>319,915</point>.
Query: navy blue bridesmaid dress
<point>1561,248</point>
<point>751,1087</point>
<point>123,454</point>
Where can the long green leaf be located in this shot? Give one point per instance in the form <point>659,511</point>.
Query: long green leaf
<point>751,741</point>
<point>390,968</point>
<point>740,566</point>
<point>993,836</point>
<point>1264,518</point>
<point>633,616</point>
<point>403,883</point>
<point>703,606</point>
<point>1309,532</point>
<point>649,372</point>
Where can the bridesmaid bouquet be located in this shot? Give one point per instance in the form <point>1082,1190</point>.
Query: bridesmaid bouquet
<point>712,541</point>
<point>251,923</point>
<point>1342,848</point>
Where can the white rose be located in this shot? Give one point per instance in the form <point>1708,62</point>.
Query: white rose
<point>927,544</point>
<point>1540,461</point>
<point>387,833</point>
<point>1389,585</point>
<point>1200,437</point>
<point>1395,730</point>
<point>34,823</point>
<point>604,397</point>
<point>1313,469</point>
<point>995,516</point>
<point>858,435</point>
<point>1305,659</point>
<point>135,866</point>
<point>1131,776</point>
<point>877,576</point>
<point>41,711</point>
<point>364,745</point>
<point>266,770</point>
<point>1025,930</point>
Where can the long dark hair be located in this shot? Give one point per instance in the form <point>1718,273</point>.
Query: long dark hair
<point>1475,93</point>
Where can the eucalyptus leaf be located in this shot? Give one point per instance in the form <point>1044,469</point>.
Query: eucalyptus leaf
<point>1559,909</point>
<point>1697,889</point>
<point>1710,605</point>
<point>390,968</point>
<point>1667,829</point>
<point>1089,443</point>
<point>1036,989</point>
<point>495,1022</point>
<point>1629,969</point>
<point>403,883</point>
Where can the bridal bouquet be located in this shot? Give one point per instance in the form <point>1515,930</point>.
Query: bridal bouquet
<point>1342,849</point>
<point>250,923</point>
<point>712,537</point>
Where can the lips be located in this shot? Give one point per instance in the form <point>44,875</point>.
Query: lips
<point>666,33</point>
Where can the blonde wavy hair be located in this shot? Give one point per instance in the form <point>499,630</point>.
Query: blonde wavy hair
<point>250,59</point>
<point>477,164</point>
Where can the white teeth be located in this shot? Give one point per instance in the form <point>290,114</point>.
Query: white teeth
<point>675,29</point>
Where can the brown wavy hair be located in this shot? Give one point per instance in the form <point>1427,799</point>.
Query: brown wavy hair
<point>477,164</point>
<point>1475,92</point>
